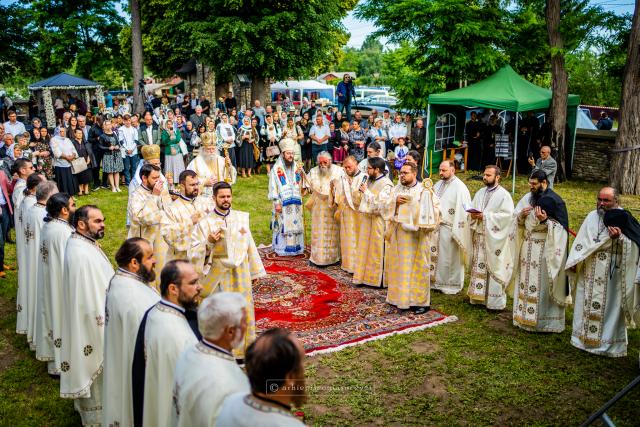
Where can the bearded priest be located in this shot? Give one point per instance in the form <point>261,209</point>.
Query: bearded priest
<point>452,239</point>
<point>183,214</point>
<point>285,192</point>
<point>147,212</point>
<point>325,230</point>
<point>413,212</point>
<point>82,337</point>
<point>348,200</point>
<point>603,263</point>
<point>128,298</point>
<point>541,293</point>
<point>370,247</point>
<point>206,372</point>
<point>225,255</point>
<point>211,167</point>
<point>493,240</point>
<point>163,334</point>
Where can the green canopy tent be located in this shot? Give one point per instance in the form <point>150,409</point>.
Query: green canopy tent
<point>504,90</point>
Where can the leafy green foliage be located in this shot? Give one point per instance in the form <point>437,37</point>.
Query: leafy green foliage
<point>76,35</point>
<point>261,38</point>
<point>16,42</point>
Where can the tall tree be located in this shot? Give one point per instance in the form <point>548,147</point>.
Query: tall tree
<point>625,162</point>
<point>261,38</point>
<point>559,84</point>
<point>17,40</point>
<point>137,61</point>
<point>77,35</point>
<point>452,40</point>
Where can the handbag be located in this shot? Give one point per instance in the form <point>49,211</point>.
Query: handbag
<point>79,164</point>
<point>273,151</point>
<point>183,147</point>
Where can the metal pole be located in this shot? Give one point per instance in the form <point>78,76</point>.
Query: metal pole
<point>515,158</point>
<point>426,144</point>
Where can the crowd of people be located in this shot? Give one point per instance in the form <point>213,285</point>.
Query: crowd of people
<point>162,340</point>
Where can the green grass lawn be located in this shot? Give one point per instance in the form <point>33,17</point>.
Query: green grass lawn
<point>480,370</point>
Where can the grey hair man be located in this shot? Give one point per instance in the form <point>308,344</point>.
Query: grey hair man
<point>206,372</point>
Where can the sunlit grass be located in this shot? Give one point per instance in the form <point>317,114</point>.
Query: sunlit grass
<point>477,371</point>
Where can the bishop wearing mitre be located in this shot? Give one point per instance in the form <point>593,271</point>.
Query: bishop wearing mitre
<point>211,167</point>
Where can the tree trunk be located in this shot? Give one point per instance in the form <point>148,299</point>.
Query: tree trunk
<point>559,86</point>
<point>137,61</point>
<point>258,91</point>
<point>625,156</point>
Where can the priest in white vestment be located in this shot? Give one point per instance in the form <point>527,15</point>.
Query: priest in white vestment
<point>602,265</point>
<point>206,372</point>
<point>540,288</point>
<point>272,400</point>
<point>325,230</point>
<point>493,242</point>
<point>348,199</point>
<point>87,272</point>
<point>129,296</point>
<point>370,246</point>
<point>452,248</point>
<point>28,200</point>
<point>33,223</point>
<point>225,255</point>
<point>211,167</point>
<point>166,334</point>
<point>150,155</point>
<point>183,214</point>
<point>55,234</point>
<point>413,212</point>
<point>147,212</point>
<point>24,168</point>
<point>285,192</point>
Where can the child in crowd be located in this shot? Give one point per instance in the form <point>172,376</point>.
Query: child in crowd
<point>400,154</point>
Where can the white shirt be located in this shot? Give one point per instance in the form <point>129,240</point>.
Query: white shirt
<point>320,132</point>
<point>128,137</point>
<point>62,147</point>
<point>398,130</point>
<point>14,129</point>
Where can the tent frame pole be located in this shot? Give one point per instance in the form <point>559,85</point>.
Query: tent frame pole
<point>515,158</point>
<point>426,144</point>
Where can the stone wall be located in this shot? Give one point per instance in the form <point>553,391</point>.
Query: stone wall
<point>591,156</point>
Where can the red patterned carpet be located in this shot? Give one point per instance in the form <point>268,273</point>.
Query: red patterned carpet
<point>325,311</point>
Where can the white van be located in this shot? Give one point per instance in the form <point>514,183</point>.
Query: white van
<point>367,92</point>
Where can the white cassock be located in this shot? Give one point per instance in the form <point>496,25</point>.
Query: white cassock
<point>55,234</point>
<point>453,236</point>
<point>605,288</point>
<point>33,220</point>
<point>364,163</point>
<point>539,296</point>
<point>18,193</point>
<point>87,272</point>
<point>494,246</point>
<point>215,168</point>
<point>167,334</point>
<point>244,410</point>
<point>128,298</point>
<point>325,230</point>
<point>205,375</point>
<point>136,181</point>
<point>348,199</point>
<point>22,320</point>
